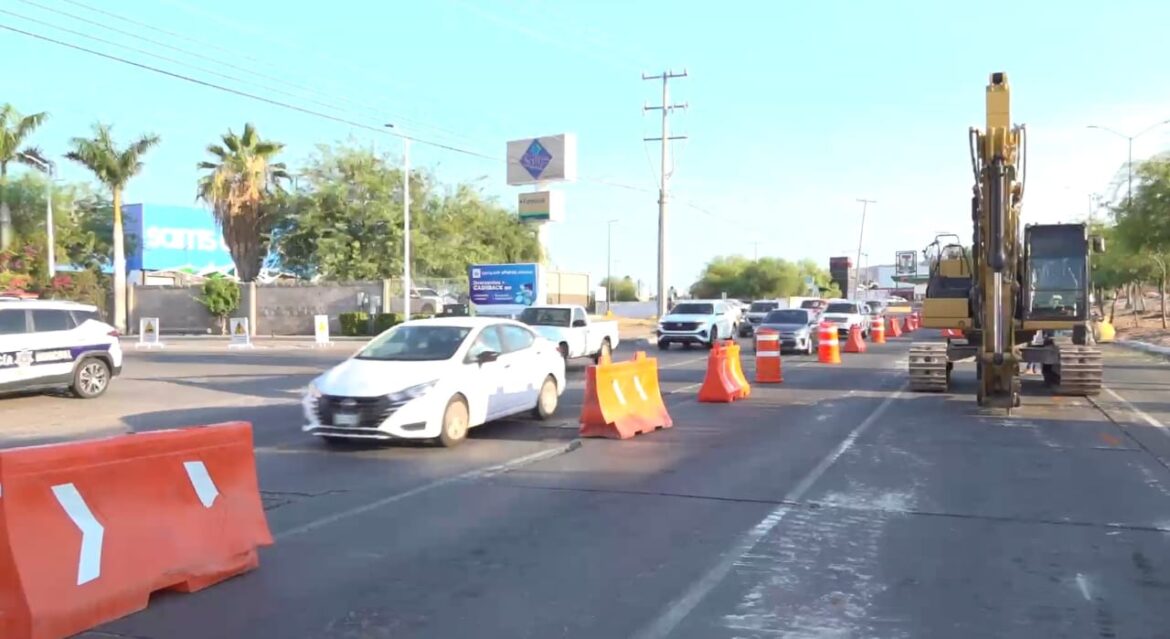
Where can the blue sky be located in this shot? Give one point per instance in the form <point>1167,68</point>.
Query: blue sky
<point>796,109</point>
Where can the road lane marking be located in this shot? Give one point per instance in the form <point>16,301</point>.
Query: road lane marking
<point>678,610</point>
<point>1083,584</point>
<point>1139,412</point>
<point>479,473</point>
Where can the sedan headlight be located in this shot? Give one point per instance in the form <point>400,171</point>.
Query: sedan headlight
<point>412,392</point>
<point>312,391</point>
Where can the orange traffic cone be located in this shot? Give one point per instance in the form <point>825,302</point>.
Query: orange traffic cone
<point>855,344</point>
<point>877,330</point>
<point>895,329</point>
<point>828,348</point>
<point>907,324</point>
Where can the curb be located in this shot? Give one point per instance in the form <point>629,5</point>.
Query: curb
<point>1150,349</point>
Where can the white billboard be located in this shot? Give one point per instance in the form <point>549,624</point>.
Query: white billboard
<point>551,158</point>
<point>542,206</point>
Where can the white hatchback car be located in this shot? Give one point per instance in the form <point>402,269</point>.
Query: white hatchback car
<point>436,378</point>
<point>49,343</point>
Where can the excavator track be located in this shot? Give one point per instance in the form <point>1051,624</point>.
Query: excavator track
<point>1080,370</point>
<point>928,367</point>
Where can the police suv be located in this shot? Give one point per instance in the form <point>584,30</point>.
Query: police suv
<point>49,343</point>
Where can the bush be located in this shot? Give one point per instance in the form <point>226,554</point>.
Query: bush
<point>220,297</point>
<point>357,323</point>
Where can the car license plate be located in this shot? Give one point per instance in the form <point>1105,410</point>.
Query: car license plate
<point>345,419</point>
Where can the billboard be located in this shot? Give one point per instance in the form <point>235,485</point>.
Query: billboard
<point>839,273</point>
<point>552,158</point>
<point>175,238</point>
<point>906,263</point>
<point>504,284</point>
<point>542,206</point>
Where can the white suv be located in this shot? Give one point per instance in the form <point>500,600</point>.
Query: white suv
<point>696,322</point>
<point>47,343</point>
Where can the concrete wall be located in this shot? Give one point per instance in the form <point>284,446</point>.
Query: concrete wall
<point>287,308</point>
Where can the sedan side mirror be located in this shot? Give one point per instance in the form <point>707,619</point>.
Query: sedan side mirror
<point>579,323</point>
<point>487,356</point>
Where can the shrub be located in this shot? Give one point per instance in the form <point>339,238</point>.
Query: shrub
<point>221,297</point>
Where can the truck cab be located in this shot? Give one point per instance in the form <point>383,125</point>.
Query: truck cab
<point>572,330</point>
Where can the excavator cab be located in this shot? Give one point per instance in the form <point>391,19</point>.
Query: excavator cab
<point>948,291</point>
<point>1056,276</point>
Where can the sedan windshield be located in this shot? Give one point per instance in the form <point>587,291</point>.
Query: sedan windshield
<point>693,309</point>
<point>415,343</point>
<point>789,316</point>
<point>545,316</point>
<point>841,307</point>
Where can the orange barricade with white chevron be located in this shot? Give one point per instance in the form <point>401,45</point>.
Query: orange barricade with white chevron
<point>735,366</point>
<point>623,399</point>
<point>88,530</point>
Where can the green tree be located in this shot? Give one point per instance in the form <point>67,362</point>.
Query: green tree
<point>1143,223</point>
<point>621,289</point>
<point>239,186</point>
<point>345,223</point>
<point>14,131</point>
<point>113,168</point>
<point>740,277</point>
<point>220,297</point>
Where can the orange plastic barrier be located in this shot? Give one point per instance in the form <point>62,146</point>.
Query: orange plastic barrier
<point>720,384</point>
<point>768,369</point>
<point>828,346</point>
<point>895,328</point>
<point>908,324</point>
<point>877,330</point>
<point>88,530</point>
<point>623,399</point>
<point>952,333</point>
<point>736,366</point>
<point>855,344</point>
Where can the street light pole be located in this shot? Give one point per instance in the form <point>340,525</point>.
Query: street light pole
<point>1129,156</point>
<point>50,171</point>
<point>609,266</point>
<point>860,239</point>
<point>405,226</point>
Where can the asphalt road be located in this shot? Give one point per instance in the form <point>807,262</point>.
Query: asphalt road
<point>833,505</point>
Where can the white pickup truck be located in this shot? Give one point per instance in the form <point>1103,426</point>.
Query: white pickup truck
<point>571,329</point>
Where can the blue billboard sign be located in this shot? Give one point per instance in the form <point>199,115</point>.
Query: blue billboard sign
<point>503,284</point>
<point>175,238</point>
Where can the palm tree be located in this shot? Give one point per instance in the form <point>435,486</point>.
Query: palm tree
<point>238,186</point>
<point>14,129</point>
<point>113,168</point>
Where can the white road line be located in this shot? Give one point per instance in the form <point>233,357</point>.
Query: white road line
<point>684,362</point>
<point>678,610</point>
<point>1083,584</point>
<point>1139,412</point>
<point>385,501</point>
<point>683,389</point>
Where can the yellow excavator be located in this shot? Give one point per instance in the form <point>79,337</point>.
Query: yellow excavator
<point>1005,288</point>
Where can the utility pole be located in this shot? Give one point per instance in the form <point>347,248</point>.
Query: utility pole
<point>405,226</point>
<point>666,107</point>
<point>860,239</point>
<point>50,171</point>
<point>609,266</point>
<point>755,250</point>
<point>1129,157</point>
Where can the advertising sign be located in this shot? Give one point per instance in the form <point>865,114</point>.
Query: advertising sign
<point>906,263</point>
<point>174,238</point>
<point>551,158</point>
<point>504,284</point>
<point>542,206</point>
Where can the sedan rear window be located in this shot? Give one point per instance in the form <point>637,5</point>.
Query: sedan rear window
<point>693,309</point>
<point>841,307</point>
<point>764,307</point>
<point>415,344</point>
<point>787,316</point>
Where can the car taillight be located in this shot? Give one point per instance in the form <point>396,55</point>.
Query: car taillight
<point>114,333</point>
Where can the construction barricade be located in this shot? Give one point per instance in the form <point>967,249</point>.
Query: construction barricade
<point>855,344</point>
<point>877,330</point>
<point>736,366</point>
<point>721,384</point>
<point>828,346</point>
<point>895,328</point>
<point>623,399</point>
<point>768,366</point>
<point>88,530</point>
<point>952,333</point>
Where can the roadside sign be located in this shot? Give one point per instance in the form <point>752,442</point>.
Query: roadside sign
<point>241,336</point>
<point>321,329</point>
<point>906,263</point>
<point>148,333</point>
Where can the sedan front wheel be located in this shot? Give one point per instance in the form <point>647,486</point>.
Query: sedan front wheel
<point>456,420</point>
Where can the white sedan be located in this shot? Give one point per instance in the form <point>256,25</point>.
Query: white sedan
<point>435,378</point>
